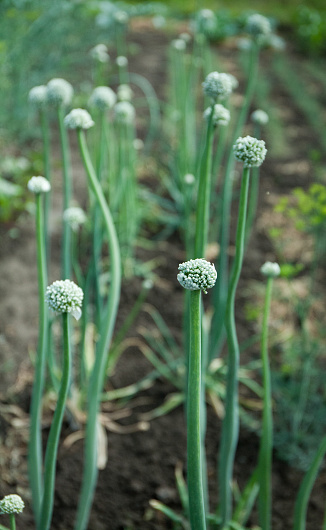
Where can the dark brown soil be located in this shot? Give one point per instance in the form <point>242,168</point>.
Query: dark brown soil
<point>141,464</point>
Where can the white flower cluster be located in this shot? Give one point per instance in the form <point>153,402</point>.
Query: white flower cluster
<point>64,296</point>
<point>250,151</point>
<point>38,95</point>
<point>260,117</point>
<point>125,93</point>
<point>59,92</point>
<point>78,119</point>
<point>179,44</point>
<point>124,112</point>
<point>75,217</point>
<point>197,274</point>
<point>221,115</point>
<point>102,97</point>
<point>12,504</point>
<point>121,17</point>
<point>271,270</point>
<point>100,53</point>
<point>121,61</point>
<point>38,185</point>
<point>258,25</point>
<point>217,85</point>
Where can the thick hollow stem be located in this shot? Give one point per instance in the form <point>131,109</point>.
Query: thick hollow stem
<point>66,236</point>
<point>230,426</point>
<point>266,443</point>
<point>35,441</point>
<point>107,325</point>
<point>12,521</point>
<point>54,435</point>
<point>194,457</point>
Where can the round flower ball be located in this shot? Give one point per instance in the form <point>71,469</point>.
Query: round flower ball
<point>12,504</point>
<point>260,117</point>
<point>64,296</point>
<point>124,112</point>
<point>59,92</point>
<point>197,275</point>
<point>125,93</point>
<point>75,217</point>
<point>103,98</point>
<point>217,85</point>
<point>258,25</point>
<point>271,270</point>
<point>221,115</point>
<point>38,185</point>
<point>100,53</point>
<point>38,95</point>
<point>250,151</point>
<point>121,61</point>
<point>78,119</point>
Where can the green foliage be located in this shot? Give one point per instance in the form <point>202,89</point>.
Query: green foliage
<point>14,174</point>
<point>300,409</point>
<point>310,30</point>
<point>309,211</point>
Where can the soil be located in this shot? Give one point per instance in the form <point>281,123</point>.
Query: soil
<point>141,463</point>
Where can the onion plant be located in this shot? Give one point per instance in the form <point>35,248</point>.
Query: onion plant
<point>80,120</point>
<point>39,186</point>
<point>63,297</point>
<point>271,271</point>
<point>38,98</point>
<point>196,275</point>
<point>251,152</point>
<point>11,505</point>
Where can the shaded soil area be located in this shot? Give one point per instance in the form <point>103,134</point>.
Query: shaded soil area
<point>141,463</point>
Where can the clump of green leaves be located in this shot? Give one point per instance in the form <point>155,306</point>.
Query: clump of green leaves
<point>309,210</point>
<point>310,29</point>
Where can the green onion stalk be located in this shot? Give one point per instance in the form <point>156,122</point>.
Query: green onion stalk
<point>63,297</point>
<point>195,275</point>
<point>271,271</point>
<point>79,119</point>
<point>251,152</point>
<point>259,118</point>
<point>59,94</point>
<point>221,291</point>
<point>301,504</point>
<point>39,186</point>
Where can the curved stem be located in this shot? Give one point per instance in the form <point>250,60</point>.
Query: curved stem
<point>47,173</point>
<point>230,426</point>
<point>266,443</point>
<point>54,436</point>
<point>194,456</point>
<point>35,441</point>
<point>107,325</point>
<point>221,289</point>
<point>301,504</point>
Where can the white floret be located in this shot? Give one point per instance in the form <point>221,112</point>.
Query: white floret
<point>12,504</point>
<point>100,53</point>
<point>78,119</point>
<point>38,185</point>
<point>64,296</point>
<point>271,270</point>
<point>59,92</point>
<point>221,115</point>
<point>258,25</point>
<point>197,274</point>
<point>124,112</point>
<point>250,151</point>
<point>217,85</point>
<point>260,117</point>
<point>102,97</point>
<point>75,217</point>
<point>38,95</point>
